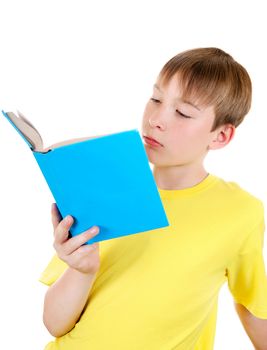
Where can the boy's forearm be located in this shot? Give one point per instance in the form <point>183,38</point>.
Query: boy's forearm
<point>256,328</point>
<point>65,300</point>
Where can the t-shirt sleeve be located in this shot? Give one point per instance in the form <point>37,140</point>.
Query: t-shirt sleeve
<point>247,278</point>
<point>53,271</point>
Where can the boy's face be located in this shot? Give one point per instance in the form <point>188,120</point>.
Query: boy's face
<point>182,129</point>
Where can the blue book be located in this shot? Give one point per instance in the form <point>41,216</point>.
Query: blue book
<point>104,181</point>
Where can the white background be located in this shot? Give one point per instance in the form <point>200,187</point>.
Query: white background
<point>78,68</point>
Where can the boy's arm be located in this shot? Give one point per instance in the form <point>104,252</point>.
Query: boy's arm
<point>66,298</point>
<point>256,328</point>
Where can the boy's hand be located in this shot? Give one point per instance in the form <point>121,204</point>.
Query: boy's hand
<point>84,258</point>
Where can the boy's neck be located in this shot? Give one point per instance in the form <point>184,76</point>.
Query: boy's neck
<point>178,178</point>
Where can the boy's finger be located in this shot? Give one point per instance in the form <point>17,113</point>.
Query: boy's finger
<point>56,217</point>
<point>61,232</point>
<point>77,241</point>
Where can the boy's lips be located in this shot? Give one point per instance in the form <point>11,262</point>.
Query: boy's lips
<point>151,141</point>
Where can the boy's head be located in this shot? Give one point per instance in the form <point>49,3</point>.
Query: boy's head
<point>211,77</point>
<point>200,96</point>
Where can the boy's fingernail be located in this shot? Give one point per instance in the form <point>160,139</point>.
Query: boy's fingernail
<point>67,219</point>
<point>94,229</point>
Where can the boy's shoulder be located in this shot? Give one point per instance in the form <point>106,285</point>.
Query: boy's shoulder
<point>235,188</point>
<point>242,198</point>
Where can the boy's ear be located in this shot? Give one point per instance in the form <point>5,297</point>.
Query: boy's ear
<point>222,136</point>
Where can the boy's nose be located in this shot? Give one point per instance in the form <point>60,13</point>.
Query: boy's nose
<point>156,123</point>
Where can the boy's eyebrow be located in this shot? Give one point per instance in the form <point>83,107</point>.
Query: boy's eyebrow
<point>192,104</point>
<point>184,101</point>
<point>157,87</point>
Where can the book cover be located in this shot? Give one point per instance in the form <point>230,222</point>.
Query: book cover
<point>104,181</point>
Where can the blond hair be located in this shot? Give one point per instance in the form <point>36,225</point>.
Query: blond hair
<point>210,76</point>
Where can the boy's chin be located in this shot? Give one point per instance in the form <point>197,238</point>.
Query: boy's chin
<point>155,158</point>
<point>156,163</point>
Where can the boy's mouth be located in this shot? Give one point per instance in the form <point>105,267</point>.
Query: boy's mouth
<point>151,141</point>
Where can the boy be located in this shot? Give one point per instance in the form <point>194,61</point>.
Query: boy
<point>159,290</point>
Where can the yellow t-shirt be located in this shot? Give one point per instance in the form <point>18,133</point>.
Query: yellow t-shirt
<point>158,290</point>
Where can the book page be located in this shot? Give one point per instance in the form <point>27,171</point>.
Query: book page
<point>68,142</point>
<point>27,130</point>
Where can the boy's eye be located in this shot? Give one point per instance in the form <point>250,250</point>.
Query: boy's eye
<point>155,100</point>
<point>182,114</point>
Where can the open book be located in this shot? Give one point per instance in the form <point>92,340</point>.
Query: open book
<point>102,180</point>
